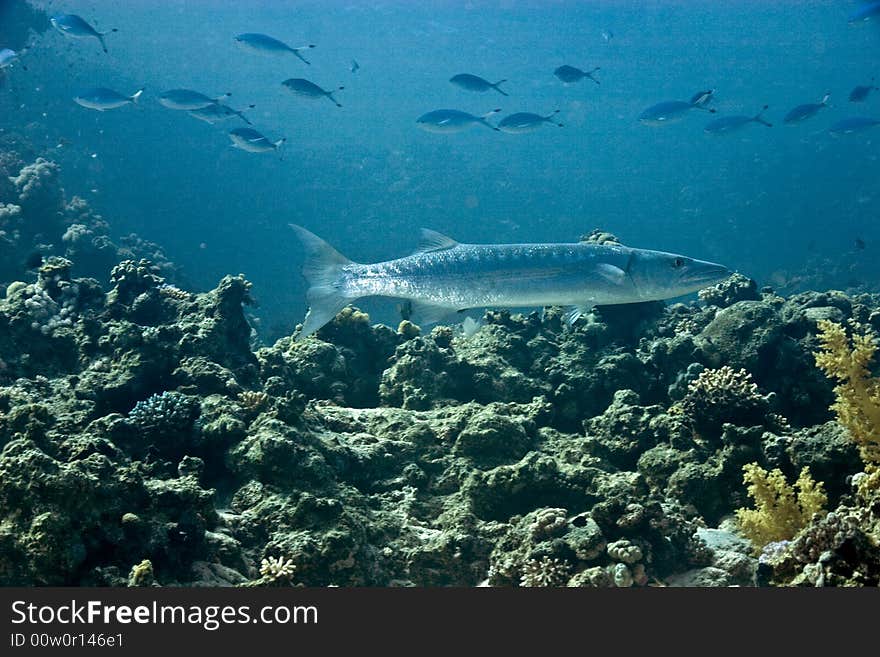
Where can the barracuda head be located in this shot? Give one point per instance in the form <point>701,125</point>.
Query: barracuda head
<point>657,275</point>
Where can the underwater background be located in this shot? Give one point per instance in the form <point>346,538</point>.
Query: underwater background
<point>160,425</point>
<point>777,205</point>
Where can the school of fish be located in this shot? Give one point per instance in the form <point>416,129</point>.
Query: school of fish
<point>444,276</point>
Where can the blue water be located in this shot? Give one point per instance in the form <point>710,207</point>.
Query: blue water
<point>773,203</point>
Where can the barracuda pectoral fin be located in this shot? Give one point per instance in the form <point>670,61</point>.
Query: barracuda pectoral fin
<point>575,313</point>
<point>431,240</point>
<point>431,313</point>
<point>611,274</point>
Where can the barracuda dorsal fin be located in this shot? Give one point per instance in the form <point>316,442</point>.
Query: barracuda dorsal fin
<point>431,240</point>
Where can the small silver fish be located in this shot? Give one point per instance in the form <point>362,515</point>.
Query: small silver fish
<point>571,74</point>
<point>266,45</point>
<point>853,125</point>
<point>451,120</point>
<point>521,122</point>
<point>248,139</point>
<point>728,124</point>
<point>76,27</point>
<point>308,89</point>
<point>101,98</point>
<point>188,100</point>
<point>443,276</point>
<point>217,112</point>
<point>805,111</point>
<point>475,83</point>
<point>355,67</point>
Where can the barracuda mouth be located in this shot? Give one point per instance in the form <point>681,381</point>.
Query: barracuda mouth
<point>705,273</point>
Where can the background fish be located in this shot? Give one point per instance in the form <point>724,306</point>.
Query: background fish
<point>728,124</point>
<point>101,98</point>
<point>75,26</point>
<point>451,120</point>
<point>805,111</point>
<point>308,89</point>
<point>572,74</point>
<point>445,276</point>
<point>475,83</point>
<point>187,99</point>
<point>7,57</point>
<point>248,139</point>
<point>526,122</point>
<point>853,124</point>
<point>860,92</point>
<point>216,112</point>
<point>266,45</point>
<point>669,111</point>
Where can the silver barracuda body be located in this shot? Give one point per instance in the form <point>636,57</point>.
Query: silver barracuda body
<point>444,276</point>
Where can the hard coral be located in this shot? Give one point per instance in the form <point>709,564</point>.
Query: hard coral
<point>275,571</point>
<point>166,420</point>
<point>729,291</point>
<point>545,571</point>
<point>724,395</point>
<point>780,512</point>
<point>858,393</point>
<point>131,279</point>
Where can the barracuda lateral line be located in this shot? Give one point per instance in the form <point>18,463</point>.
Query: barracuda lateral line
<point>443,276</point>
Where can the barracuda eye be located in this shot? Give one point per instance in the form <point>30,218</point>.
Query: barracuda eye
<point>678,263</point>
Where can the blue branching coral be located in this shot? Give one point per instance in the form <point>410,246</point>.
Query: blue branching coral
<point>166,419</point>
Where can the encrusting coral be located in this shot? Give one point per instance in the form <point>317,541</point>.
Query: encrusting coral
<point>780,512</point>
<point>858,393</point>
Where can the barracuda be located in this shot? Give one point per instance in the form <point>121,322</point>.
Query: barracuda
<point>443,276</point>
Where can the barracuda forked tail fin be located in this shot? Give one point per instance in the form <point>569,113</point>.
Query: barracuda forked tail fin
<point>323,271</point>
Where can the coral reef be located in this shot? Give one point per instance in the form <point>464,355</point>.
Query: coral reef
<point>526,454</point>
<point>145,440</point>
<point>38,219</point>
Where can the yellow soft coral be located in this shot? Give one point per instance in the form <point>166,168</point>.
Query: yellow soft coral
<point>779,511</point>
<point>858,393</point>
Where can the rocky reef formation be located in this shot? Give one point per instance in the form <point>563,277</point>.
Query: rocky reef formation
<point>145,442</point>
<point>38,220</point>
